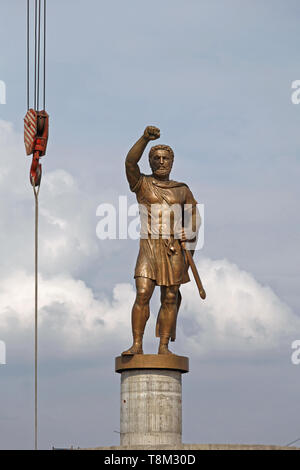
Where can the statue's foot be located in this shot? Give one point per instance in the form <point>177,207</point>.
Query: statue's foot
<point>163,349</point>
<point>136,348</point>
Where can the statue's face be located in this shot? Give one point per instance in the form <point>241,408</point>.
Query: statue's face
<point>161,163</point>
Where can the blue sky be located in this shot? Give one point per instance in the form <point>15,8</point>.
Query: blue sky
<point>216,78</point>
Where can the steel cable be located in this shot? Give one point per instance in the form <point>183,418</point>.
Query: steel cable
<point>36,99</point>
<point>28,55</point>
<point>38,54</point>
<point>44,54</point>
<point>36,195</point>
<point>35,51</point>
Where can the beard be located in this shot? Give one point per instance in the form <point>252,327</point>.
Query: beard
<point>159,171</point>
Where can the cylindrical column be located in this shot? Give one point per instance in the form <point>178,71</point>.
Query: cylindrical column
<point>151,399</point>
<point>151,411</point>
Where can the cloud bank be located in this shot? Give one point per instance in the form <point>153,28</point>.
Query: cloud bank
<point>239,313</point>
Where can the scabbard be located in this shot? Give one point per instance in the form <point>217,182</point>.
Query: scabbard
<point>194,270</point>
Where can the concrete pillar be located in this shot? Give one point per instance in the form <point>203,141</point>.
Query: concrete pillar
<point>151,399</point>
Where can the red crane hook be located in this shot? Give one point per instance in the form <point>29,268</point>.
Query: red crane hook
<point>36,129</point>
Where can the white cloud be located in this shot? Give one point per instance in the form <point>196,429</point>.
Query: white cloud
<point>67,215</point>
<point>72,320</point>
<point>238,314</point>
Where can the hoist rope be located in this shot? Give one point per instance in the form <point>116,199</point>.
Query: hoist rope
<point>38,55</point>
<point>35,50</point>
<point>27,55</point>
<point>36,190</point>
<point>38,11</point>
<point>44,54</point>
<point>36,197</point>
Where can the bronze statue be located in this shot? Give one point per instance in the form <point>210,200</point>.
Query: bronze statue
<point>162,258</point>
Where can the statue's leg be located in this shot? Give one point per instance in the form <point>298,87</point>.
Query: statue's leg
<point>140,313</point>
<point>168,313</point>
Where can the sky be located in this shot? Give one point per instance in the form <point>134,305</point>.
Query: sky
<point>216,78</point>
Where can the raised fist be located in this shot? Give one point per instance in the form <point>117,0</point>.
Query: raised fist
<point>151,133</point>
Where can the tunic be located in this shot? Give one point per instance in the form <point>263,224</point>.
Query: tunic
<point>161,257</point>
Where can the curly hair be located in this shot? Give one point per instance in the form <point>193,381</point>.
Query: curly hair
<point>160,147</point>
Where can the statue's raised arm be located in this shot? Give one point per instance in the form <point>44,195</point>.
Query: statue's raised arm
<point>135,153</point>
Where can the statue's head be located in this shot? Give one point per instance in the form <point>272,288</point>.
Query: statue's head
<point>161,159</point>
